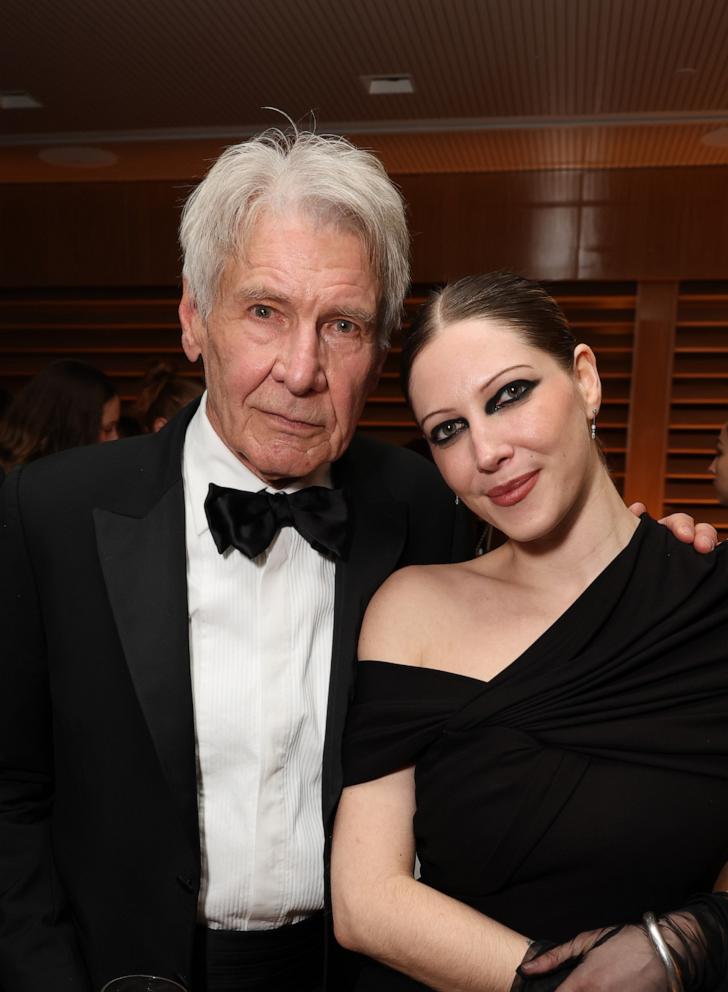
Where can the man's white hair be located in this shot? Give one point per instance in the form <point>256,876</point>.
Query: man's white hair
<point>327,178</point>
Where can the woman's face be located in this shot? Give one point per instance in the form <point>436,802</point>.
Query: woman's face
<point>719,466</point>
<point>110,413</point>
<point>508,426</point>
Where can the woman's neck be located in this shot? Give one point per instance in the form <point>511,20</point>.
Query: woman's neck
<point>595,530</point>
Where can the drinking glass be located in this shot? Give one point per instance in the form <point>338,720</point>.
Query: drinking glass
<point>142,983</point>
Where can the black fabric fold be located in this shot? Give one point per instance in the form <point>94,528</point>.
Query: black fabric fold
<point>554,797</point>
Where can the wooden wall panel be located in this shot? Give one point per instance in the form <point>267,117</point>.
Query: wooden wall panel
<point>89,234</point>
<point>698,402</point>
<point>612,225</point>
<point>525,222</point>
<point>650,394</point>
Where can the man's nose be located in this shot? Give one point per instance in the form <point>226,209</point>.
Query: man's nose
<point>300,365</point>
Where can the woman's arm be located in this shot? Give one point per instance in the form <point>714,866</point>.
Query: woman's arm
<point>380,910</point>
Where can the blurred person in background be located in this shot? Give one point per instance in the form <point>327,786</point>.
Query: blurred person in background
<point>718,468</point>
<point>163,394</point>
<point>69,404</point>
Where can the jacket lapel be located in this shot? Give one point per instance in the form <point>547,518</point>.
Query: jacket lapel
<point>379,530</point>
<point>143,559</point>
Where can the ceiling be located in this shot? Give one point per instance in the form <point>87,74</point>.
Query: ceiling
<point>160,85</point>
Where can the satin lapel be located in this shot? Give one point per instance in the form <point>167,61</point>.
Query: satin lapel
<point>379,533</point>
<point>144,565</point>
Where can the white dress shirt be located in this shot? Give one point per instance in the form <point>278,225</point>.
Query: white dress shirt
<point>260,648</point>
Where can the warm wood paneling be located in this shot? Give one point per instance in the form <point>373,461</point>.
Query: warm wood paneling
<point>90,234</point>
<point>121,331</point>
<point>699,401</point>
<point>559,225</point>
<point>650,393</point>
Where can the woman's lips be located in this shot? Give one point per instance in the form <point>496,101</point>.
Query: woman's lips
<point>514,491</point>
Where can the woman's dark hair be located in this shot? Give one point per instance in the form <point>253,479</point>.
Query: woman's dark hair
<point>163,393</point>
<point>500,296</point>
<point>59,408</point>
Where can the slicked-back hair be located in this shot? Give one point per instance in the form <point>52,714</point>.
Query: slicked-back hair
<point>499,296</point>
<point>326,178</point>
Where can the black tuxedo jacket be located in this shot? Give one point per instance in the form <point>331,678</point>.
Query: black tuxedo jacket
<point>99,845</point>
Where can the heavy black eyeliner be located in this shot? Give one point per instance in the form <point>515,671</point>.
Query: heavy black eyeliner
<point>493,406</point>
<point>438,442</point>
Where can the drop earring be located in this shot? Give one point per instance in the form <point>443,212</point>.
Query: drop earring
<point>457,501</point>
<point>594,425</point>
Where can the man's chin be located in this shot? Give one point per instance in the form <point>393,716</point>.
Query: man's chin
<point>276,465</point>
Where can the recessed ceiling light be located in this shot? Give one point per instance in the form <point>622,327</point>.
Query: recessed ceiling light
<point>78,156</point>
<point>18,100</point>
<point>388,85</point>
<point>717,138</point>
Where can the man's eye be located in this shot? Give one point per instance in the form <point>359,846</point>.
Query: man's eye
<point>447,430</point>
<point>510,393</point>
<point>262,311</point>
<point>345,326</point>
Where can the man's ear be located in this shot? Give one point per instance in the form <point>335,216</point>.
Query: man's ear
<point>587,378</point>
<point>193,328</point>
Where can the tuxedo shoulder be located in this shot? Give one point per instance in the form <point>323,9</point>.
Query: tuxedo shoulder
<point>98,473</point>
<point>403,471</point>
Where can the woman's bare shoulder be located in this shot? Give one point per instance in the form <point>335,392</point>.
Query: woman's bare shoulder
<point>399,620</point>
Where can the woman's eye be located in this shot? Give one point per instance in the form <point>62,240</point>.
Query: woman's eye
<point>511,393</point>
<point>447,430</point>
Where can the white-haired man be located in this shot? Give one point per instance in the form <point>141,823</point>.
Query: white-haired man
<point>180,610</point>
<point>178,659</point>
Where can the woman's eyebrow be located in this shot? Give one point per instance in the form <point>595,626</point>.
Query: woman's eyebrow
<point>509,368</point>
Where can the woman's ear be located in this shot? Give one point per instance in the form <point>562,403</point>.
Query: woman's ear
<point>587,377</point>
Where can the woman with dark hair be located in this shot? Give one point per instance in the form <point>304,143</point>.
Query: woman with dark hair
<point>163,394</point>
<point>68,404</point>
<point>546,726</point>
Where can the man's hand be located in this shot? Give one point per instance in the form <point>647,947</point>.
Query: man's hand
<point>703,537</point>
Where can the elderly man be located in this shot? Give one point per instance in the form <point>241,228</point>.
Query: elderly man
<point>180,610</point>
<point>178,656</point>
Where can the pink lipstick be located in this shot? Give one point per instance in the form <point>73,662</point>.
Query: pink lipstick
<point>514,491</point>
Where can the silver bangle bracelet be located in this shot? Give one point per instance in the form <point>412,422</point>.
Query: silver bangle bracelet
<point>674,982</point>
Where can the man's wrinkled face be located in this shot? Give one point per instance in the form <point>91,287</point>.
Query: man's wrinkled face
<point>290,348</point>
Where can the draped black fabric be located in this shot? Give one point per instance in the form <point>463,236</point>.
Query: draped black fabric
<point>588,781</point>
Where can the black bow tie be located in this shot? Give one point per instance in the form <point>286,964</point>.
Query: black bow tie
<point>249,521</point>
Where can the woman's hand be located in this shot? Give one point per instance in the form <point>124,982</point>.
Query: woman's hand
<point>614,959</point>
<point>703,537</point>
<point>625,959</point>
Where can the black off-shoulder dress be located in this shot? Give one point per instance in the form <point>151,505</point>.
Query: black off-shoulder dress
<point>588,781</point>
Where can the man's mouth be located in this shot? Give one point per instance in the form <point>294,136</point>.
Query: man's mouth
<point>288,423</point>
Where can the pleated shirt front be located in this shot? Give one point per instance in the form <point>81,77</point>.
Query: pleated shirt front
<point>260,647</point>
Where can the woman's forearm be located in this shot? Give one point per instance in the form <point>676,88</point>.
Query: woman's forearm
<point>427,935</point>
